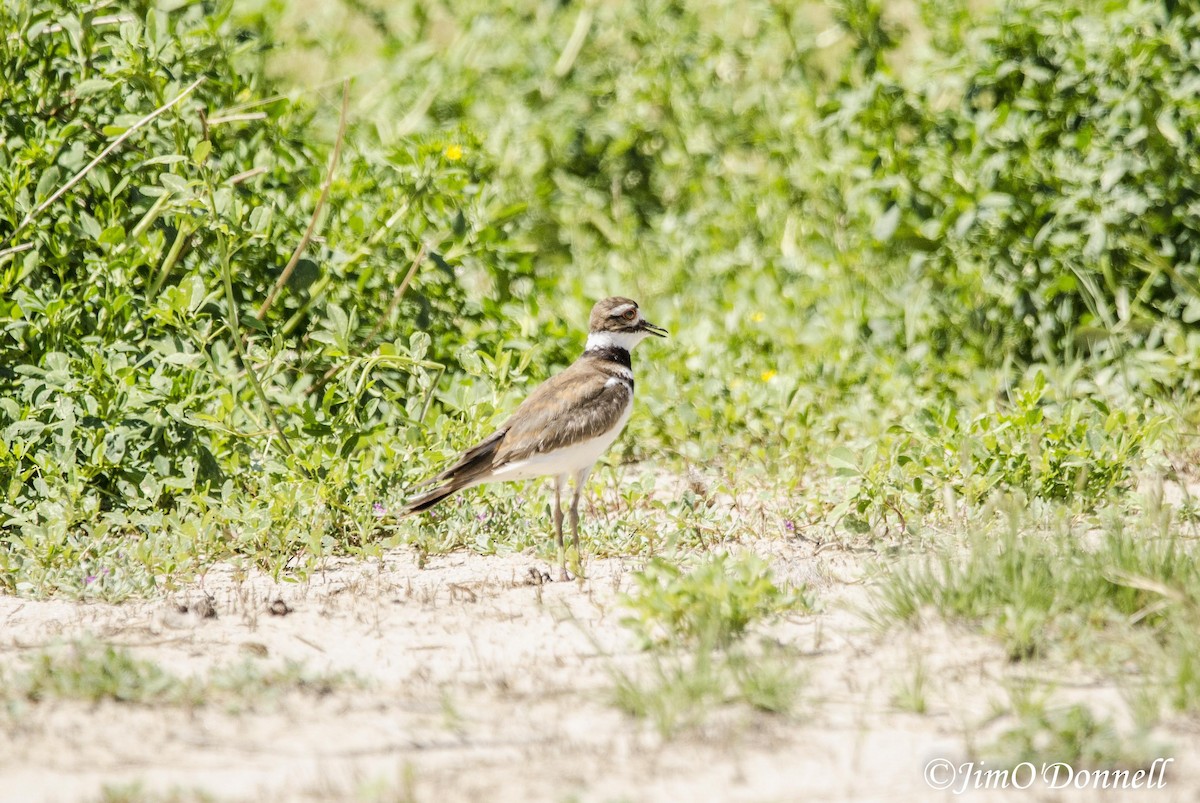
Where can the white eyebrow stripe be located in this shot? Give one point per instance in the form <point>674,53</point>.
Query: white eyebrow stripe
<point>624,308</point>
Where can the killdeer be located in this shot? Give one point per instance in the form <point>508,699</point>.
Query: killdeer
<point>564,426</point>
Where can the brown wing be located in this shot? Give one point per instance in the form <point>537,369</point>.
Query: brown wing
<point>576,405</point>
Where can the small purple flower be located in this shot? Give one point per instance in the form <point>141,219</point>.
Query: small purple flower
<point>789,525</point>
<point>379,510</point>
<point>91,578</point>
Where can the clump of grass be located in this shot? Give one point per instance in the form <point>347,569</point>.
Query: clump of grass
<point>1040,589</point>
<point>137,793</point>
<point>682,687</point>
<point>94,672</point>
<point>913,694</point>
<point>1120,594</point>
<point>678,691</point>
<point>693,623</point>
<point>1073,734</point>
<point>713,602</point>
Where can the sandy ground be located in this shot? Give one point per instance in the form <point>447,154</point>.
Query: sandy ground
<point>480,686</point>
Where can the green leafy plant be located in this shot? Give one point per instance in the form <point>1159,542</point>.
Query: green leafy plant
<point>208,306</point>
<point>692,623</point>
<point>713,602</point>
<point>93,672</point>
<point>1047,733</point>
<point>1080,451</point>
<point>1033,175</point>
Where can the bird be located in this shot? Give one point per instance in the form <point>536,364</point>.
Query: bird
<point>564,426</point>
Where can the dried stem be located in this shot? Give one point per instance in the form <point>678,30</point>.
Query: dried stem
<point>395,302</point>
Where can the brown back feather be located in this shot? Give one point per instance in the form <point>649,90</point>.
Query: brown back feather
<point>573,406</point>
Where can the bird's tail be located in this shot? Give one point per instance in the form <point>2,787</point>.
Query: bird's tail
<point>430,498</point>
<point>472,467</point>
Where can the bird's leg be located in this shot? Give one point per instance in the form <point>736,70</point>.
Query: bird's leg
<point>580,478</point>
<point>559,482</point>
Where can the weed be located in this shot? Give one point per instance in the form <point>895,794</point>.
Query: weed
<point>712,602</point>
<point>679,692</point>
<point>1071,734</point>
<point>95,672</point>
<point>137,793</point>
<point>98,672</point>
<point>693,623</point>
<point>1120,596</point>
<point>913,693</point>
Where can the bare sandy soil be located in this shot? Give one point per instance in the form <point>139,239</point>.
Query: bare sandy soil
<point>478,685</point>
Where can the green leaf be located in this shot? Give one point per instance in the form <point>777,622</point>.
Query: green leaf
<point>201,151</point>
<point>418,345</point>
<point>48,183</point>
<point>1166,126</point>
<point>113,235</point>
<point>843,459</point>
<point>164,160</point>
<point>174,183</point>
<point>92,86</point>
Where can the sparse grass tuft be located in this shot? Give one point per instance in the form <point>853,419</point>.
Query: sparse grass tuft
<point>1118,593</point>
<point>137,793</point>
<point>693,623</point>
<point>712,602</point>
<point>95,672</point>
<point>1072,733</point>
<point>679,689</point>
<point>1046,585</point>
<point>912,694</point>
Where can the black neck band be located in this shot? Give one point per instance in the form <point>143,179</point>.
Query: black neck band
<point>611,354</point>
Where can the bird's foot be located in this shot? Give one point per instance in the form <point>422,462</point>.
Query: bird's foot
<point>537,577</point>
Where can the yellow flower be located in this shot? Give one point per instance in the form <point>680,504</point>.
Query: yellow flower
<point>452,153</point>
<point>758,317</point>
<point>769,374</point>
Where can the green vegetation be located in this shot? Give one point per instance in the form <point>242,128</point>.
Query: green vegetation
<point>711,603</point>
<point>94,672</point>
<point>932,280</point>
<point>190,376</point>
<point>97,672</point>
<point>1072,734</point>
<point>694,623</point>
<point>1120,592</point>
<point>137,793</point>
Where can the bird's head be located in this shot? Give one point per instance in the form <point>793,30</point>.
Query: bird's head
<point>618,322</point>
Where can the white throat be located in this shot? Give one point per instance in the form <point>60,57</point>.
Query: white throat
<point>620,340</point>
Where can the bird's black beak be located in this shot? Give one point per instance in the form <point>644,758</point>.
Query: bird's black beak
<point>658,331</point>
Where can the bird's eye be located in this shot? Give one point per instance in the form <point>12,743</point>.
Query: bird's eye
<point>630,315</point>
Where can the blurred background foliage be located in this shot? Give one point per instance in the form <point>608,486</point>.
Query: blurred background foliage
<point>911,256</point>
